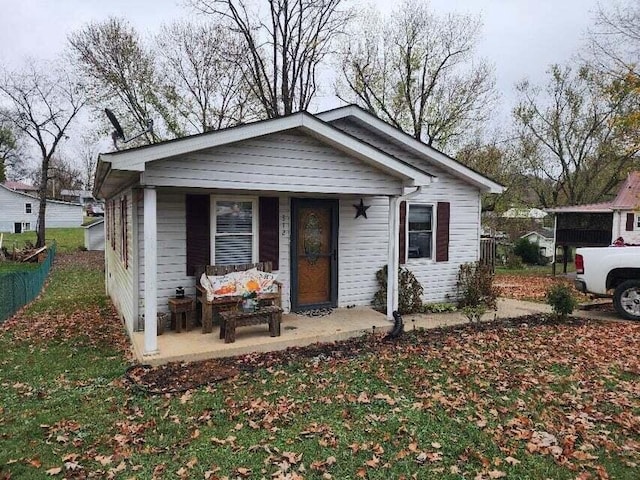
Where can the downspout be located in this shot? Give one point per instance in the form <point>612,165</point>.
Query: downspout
<point>394,249</point>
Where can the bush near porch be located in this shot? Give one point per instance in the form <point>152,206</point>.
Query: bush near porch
<point>522,399</point>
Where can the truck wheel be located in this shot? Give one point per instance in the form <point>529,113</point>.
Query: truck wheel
<point>626,299</point>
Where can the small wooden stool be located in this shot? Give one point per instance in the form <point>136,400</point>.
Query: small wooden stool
<point>182,309</point>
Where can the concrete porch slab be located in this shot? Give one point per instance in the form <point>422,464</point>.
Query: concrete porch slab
<point>296,331</point>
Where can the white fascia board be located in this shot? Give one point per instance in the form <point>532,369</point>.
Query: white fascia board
<point>354,147</point>
<point>136,159</point>
<point>412,144</point>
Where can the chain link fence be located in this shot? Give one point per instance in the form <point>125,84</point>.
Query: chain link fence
<point>19,288</point>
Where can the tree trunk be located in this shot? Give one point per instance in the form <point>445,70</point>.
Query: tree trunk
<point>42,194</point>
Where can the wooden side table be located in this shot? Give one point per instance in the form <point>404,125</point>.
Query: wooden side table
<point>182,309</point>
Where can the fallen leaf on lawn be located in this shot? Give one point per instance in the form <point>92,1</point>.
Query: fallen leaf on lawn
<point>496,474</point>
<point>512,461</point>
<point>103,460</point>
<point>436,445</point>
<point>54,471</point>
<point>374,462</point>
<point>243,472</point>
<point>35,462</point>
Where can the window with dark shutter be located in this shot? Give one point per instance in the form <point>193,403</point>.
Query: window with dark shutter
<point>442,231</point>
<point>198,231</point>
<point>269,237</point>
<point>402,241</point>
<point>630,218</point>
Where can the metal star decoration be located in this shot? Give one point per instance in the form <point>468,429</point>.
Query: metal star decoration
<point>361,210</point>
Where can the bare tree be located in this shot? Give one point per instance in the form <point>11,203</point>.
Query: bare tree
<point>614,39</point>
<point>87,155</point>
<point>120,73</point>
<point>569,139</point>
<point>10,159</point>
<point>41,106</point>
<point>62,175</point>
<point>200,82</point>
<point>417,71</point>
<point>283,50</point>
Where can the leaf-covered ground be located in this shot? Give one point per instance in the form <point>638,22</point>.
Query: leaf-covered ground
<point>526,398</point>
<point>530,287</point>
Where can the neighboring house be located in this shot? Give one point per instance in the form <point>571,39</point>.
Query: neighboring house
<point>544,239</point>
<point>19,212</point>
<point>94,236</point>
<point>21,187</point>
<point>287,190</point>
<point>83,197</point>
<point>599,224</point>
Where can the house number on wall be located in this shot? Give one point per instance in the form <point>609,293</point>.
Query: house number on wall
<point>285,226</point>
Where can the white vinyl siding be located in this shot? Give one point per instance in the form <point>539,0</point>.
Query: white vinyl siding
<point>363,245</point>
<point>120,277</point>
<point>172,250</point>
<point>58,214</point>
<point>437,278</point>
<point>283,162</point>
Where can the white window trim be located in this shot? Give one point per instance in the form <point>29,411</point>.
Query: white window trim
<point>637,221</point>
<point>28,206</point>
<point>254,222</point>
<point>433,234</point>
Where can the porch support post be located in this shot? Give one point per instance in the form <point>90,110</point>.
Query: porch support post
<point>150,272</point>
<point>392,261</point>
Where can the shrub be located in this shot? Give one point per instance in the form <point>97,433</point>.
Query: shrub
<point>474,314</point>
<point>409,292</point>
<point>475,286</point>
<point>439,307</point>
<point>560,297</point>
<point>528,252</point>
<point>514,262</point>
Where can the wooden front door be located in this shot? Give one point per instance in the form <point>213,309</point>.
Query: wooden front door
<point>314,254</point>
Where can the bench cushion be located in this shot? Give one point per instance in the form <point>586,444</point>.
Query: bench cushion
<point>238,283</point>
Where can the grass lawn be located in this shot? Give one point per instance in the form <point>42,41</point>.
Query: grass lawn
<point>530,401</point>
<point>68,239</point>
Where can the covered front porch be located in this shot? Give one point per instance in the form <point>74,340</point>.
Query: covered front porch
<point>296,331</point>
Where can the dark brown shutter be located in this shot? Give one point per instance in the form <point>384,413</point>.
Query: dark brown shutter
<point>442,233</point>
<point>402,240</point>
<point>630,218</point>
<point>198,232</point>
<point>269,236</point>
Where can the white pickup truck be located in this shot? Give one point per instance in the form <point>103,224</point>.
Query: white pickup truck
<point>600,270</point>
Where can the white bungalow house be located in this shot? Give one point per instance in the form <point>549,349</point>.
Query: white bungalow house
<point>260,191</point>
<point>544,239</point>
<point>19,212</point>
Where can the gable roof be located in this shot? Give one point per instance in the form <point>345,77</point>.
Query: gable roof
<point>627,198</point>
<point>33,197</point>
<point>19,186</point>
<point>546,233</point>
<point>413,145</point>
<point>135,159</point>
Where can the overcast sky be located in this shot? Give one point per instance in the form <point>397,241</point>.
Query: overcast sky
<point>521,38</point>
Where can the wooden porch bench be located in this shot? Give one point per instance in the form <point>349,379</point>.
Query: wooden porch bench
<point>231,319</point>
<point>211,309</point>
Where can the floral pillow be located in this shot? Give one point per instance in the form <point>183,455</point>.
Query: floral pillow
<point>254,280</point>
<point>220,286</point>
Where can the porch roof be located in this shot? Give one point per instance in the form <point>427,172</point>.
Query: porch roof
<point>125,166</point>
